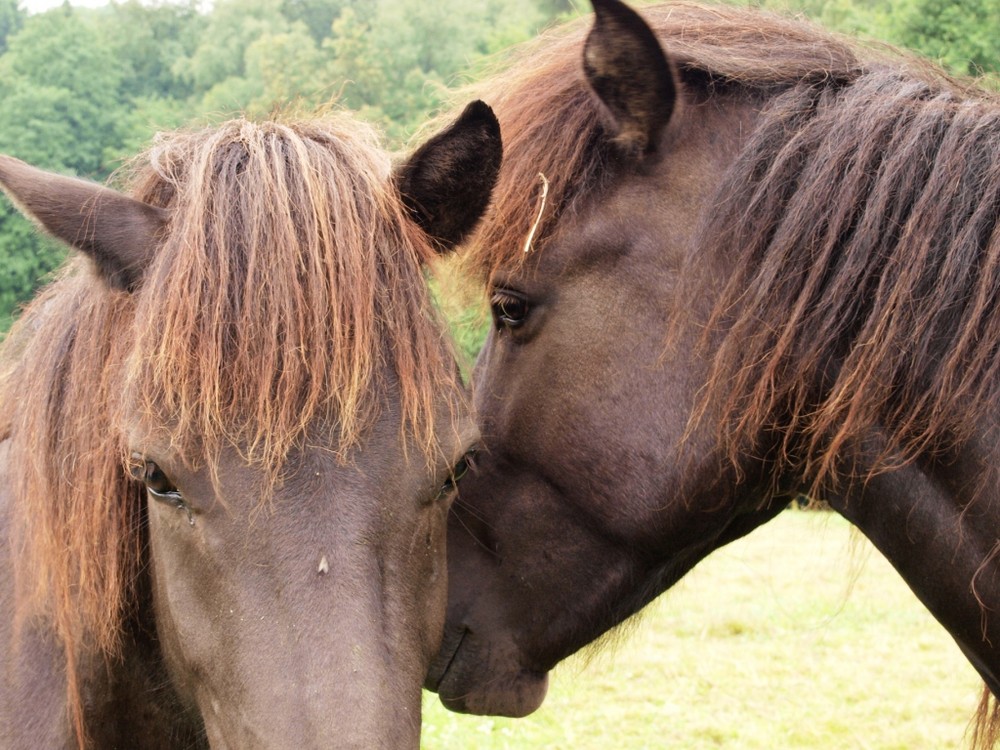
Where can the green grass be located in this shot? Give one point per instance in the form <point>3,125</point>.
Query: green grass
<point>800,636</point>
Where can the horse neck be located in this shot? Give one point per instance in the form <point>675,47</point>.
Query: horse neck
<point>936,522</point>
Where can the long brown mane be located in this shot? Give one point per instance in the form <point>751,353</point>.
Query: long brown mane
<point>867,238</point>
<point>859,223</point>
<point>288,290</point>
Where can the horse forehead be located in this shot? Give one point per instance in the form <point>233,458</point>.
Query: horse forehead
<point>635,213</point>
<point>661,204</point>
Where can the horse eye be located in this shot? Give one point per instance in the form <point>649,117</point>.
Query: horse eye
<point>156,481</point>
<point>509,309</point>
<point>458,471</point>
<point>158,484</point>
<point>152,476</point>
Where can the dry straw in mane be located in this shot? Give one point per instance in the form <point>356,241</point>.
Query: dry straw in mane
<point>288,292</point>
<point>862,213</point>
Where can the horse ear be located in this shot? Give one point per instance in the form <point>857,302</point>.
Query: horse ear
<point>118,233</point>
<point>448,181</point>
<point>630,74</point>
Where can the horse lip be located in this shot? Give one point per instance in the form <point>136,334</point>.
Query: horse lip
<point>435,678</point>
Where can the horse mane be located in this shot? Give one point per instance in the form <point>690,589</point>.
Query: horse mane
<point>863,213</point>
<point>866,295</point>
<point>288,291</point>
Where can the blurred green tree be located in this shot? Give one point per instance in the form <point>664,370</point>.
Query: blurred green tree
<point>57,74</point>
<point>62,110</point>
<point>220,55</point>
<point>964,36</point>
<point>11,19</point>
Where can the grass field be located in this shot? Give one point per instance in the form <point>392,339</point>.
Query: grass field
<point>800,636</point>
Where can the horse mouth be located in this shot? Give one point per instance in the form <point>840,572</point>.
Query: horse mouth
<point>450,646</point>
<point>464,686</point>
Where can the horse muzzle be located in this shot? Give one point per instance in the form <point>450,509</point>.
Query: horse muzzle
<point>469,684</point>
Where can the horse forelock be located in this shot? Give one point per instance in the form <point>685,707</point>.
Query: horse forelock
<point>289,276</point>
<point>288,291</point>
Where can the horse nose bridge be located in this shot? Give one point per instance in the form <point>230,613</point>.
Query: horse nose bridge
<point>353,701</point>
<point>313,722</point>
<point>303,652</point>
<point>328,680</point>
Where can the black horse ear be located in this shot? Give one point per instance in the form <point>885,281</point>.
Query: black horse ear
<point>448,181</point>
<point>118,233</point>
<point>630,74</point>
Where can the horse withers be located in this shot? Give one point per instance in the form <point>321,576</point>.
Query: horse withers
<point>732,259</point>
<point>229,434</point>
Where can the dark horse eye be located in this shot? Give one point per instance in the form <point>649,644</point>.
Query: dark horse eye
<point>158,485</point>
<point>458,471</point>
<point>509,308</point>
<point>151,475</point>
<point>156,481</point>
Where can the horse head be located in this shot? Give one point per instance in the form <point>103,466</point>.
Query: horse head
<point>735,260</point>
<point>232,438</point>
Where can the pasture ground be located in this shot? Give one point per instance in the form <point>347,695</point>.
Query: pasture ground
<point>798,637</point>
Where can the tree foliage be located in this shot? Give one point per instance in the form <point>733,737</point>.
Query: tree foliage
<point>82,89</point>
<point>11,20</point>
<point>963,36</point>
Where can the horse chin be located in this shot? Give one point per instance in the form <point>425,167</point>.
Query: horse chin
<point>458,678</point>
<point>514,695</point>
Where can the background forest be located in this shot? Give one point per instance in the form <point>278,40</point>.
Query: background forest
<point>82,89</point>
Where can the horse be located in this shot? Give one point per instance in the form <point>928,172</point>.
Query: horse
<point>732,259</point>
<point>229,432</point>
